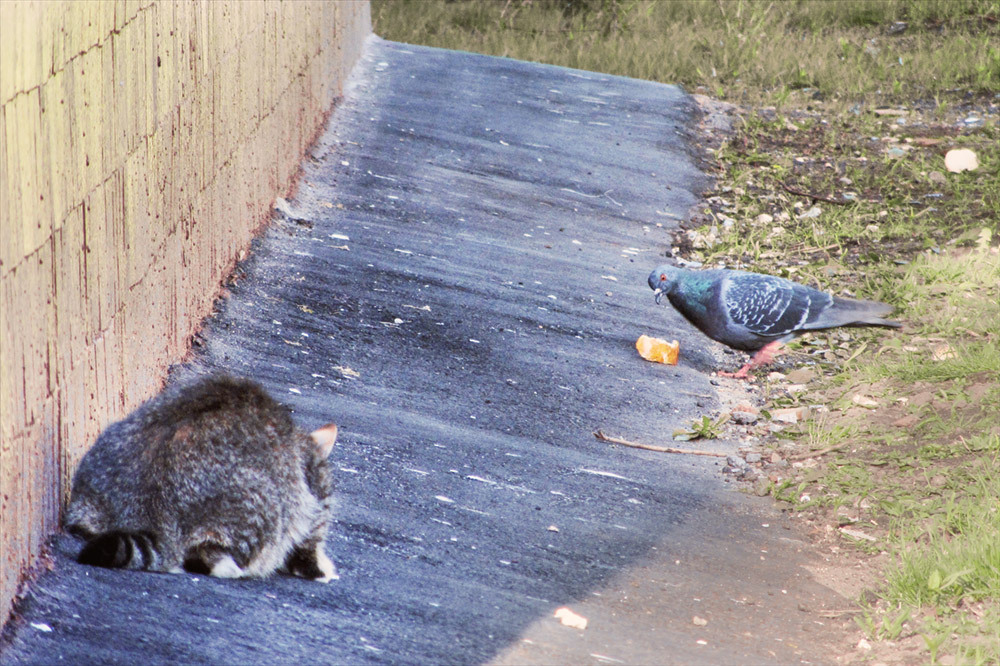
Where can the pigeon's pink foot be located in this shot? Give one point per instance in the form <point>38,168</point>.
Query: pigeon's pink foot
<point>764,356</point>
<point>739,374</point>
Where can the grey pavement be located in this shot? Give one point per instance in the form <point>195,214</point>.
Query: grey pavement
<point>459,282</point>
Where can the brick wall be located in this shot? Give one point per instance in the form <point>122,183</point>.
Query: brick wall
<point>141,144</point>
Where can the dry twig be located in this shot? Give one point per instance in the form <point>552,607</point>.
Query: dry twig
<point>816,454</point>
<point>838,613</point>
<point>814,197</point>
<point>650,447</point>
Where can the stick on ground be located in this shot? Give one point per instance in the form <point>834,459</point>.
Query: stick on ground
<point>649,447</point>
<point>817,453</point>
<point>814,197</point>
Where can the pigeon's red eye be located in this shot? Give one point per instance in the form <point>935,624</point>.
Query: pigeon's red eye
<point>663,276</point>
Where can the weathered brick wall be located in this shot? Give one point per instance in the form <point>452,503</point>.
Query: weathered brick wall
<point>141,144</point>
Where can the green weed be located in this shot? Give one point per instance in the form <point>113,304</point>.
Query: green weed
<point>705,428</point>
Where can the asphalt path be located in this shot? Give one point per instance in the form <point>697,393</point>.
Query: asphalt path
<point>459,282</point>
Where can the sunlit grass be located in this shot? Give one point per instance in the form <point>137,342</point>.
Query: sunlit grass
<point>932,487</point>
<point>741,50</point>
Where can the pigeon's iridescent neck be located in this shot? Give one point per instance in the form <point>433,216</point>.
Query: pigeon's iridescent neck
<point>695,289</point>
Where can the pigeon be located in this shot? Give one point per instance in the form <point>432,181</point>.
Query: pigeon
<point>756,312</point>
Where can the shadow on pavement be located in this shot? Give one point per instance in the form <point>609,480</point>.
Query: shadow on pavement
<point>459,283</point>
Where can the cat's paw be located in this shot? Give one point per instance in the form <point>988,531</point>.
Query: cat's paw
<point>326,567</point>
<point>312,564</point>
<point>226,567</point>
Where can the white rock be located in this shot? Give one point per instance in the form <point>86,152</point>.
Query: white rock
<point>961,159</point>
<point>570,619</point>
<point>864,401</point>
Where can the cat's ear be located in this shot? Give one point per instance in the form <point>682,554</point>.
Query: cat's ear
<point>324,438</point>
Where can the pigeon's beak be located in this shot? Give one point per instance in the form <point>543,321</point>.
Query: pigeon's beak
<point>659,294</point>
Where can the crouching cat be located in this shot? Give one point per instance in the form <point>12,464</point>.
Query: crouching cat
<point>209,477</point>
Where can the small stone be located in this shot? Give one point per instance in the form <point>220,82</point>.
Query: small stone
<point>938,481</point>
<point>942,352</point>
<point>907,421</point>
<point>699,621</point>
<point>761,487</point>
<point>844,516</point>
<point>864,401</point>
<point>937,178</point>
<point>571,619</point>
<point>857,534</point>
<point>765,219</point>
<point>753,457</point>
<point>735,461</point>
<point>743,418</point>
<point>790,414</point>
<point>801,376</point>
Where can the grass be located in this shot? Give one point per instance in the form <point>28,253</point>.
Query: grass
<point>835,177</point>
<point>738,50</point>
<point>920,471</point>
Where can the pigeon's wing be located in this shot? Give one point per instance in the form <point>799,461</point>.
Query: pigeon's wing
<point>849,312</point>
<point>771,306</point>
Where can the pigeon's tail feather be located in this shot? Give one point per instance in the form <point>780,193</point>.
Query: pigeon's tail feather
<point>868,313</point>
<point>876,321</point>
<point>849,312</point>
